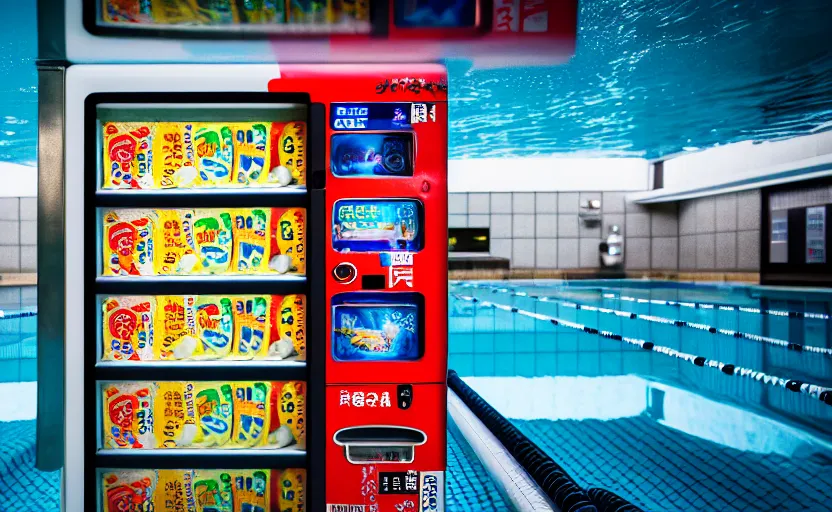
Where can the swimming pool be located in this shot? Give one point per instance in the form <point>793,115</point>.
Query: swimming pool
<point>675,397</point>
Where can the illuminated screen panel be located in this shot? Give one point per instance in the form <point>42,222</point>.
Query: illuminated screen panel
<point>377,326</point>
<point>435,13</point>
<point>370,154</point>
<point>377,225</point>
<point>374,116</point>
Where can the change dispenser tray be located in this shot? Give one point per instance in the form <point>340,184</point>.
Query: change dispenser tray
<point>379,444</point>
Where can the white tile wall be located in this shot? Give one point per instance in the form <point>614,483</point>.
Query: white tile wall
<point>18,235</point>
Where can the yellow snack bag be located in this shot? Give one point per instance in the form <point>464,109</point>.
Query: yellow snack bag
<point>291,489</point>
<point>173,12</point>
<point>128,328</point>
<point>288,149</point>
<point>173,153</point>
<point>251,153</point>
<point>214,405</point>
<point>288,240</point>
<point>175,413</point>
<point>251,490</point>
<point>128,243</point>
<point>212,235</point>
<point>175,492</point>
<point>215,325</point>
<point>214,154</point>
<point>251,414</point>
<point>251,326</point>
<point>213,489</point>
<point>251,241</point>
<point>176,331</point>
<point>129,490</point>
<point>175,254</point>
<point>287,322</point>
<point>128,415</point>
<point>128,155</point>
<point>287,414</point>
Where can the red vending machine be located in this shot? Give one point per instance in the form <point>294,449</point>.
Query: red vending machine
<point>382,200</point>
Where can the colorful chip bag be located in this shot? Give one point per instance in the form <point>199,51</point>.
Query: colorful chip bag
<point>128,243</point>
<point>214,409</point>
<point>215,326</point>
<point>287,411</point>
<point>173,152</point>
<point>175,248</point>
<point>289,486</point>
<point>175,413</point>
<point>214,154</point>
<point>251,490</point>
<point>264,11</point>
<point>176,336</point>
<point>128,328</point>
<point>251,414</point>
<point>128,415</point>
<point>212,235</point>
<point>128,155</point>
<point>218,12</point>
<point>288,240</point>
<point>131,490</point>
<point>175,491</point>
<point>251,326</point>
<point>213,490</point>
<point>251,154</point>
<point>288,149</point>
<point>288,327</point>
<point>251,241</point>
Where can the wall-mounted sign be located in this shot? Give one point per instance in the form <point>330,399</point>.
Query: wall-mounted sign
<point>371,116</point>
<point>779,245</point>
<point>816,234</point>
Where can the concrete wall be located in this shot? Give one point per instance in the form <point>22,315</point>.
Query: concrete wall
<point>18,234</point>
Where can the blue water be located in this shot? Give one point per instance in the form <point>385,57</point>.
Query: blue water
<point>657,430</point>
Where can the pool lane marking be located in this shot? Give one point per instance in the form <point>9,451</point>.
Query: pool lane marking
<point>12,316</point>
<point>821,393</point>
<point>691,305</point>
<point>797,347</point>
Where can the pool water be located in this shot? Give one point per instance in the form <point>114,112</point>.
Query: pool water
<point>657,429</point>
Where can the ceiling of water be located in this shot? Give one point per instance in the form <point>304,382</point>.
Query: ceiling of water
<point>649,78</point>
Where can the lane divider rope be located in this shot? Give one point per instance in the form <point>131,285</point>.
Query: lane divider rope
<point>797,347</point>
<point>21,314</point>
<point>821,393</point>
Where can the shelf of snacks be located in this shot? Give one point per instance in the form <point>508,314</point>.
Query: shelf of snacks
<point>195,370</point>
<point>201,459</point>
<point>291,196</point>
<point>227,284</point>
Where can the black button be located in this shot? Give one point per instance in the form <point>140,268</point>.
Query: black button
<point>405,395</point>
<point>344,272</point>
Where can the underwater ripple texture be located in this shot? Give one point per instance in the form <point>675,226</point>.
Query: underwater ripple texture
<point>656,77</point>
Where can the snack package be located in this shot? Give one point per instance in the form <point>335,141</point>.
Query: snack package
<point>265,11</point>
<point>176,336</point>
<point>251,326</point>
<point>251,241</point>
<point>213,490</point>
<point>128,490</point>
<point>175,491</point>
<point>128,328</point>
<point>308,11</point>
<point>128,155</point>
<point>175,413</point>
<point>173,151</point>
<point>251,415</point>
<point>215,325</point>
<point>175,251</point>
<point>128,415</point>
<point>289,487</point>
<point>251,490</point>
<point>251,153</point>
<point>174,12</point>
<point>212,236</point>
<point>287,409</point>
<point>214,154</point>
<point>288,149</point>
<point>287,322</point>
<point>128,243</point>
<point>217,12</point>
<point>288,240</point>
<point>214,405</point>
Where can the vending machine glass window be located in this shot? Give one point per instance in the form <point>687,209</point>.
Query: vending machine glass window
<point>377,225</point>
<point>371,326</point>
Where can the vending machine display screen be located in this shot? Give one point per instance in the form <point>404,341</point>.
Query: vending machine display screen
<point>377,327</point>
<point>377,225</point>
<point>371,154</point>
<point>372,116</point>
<point>434,14</point>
